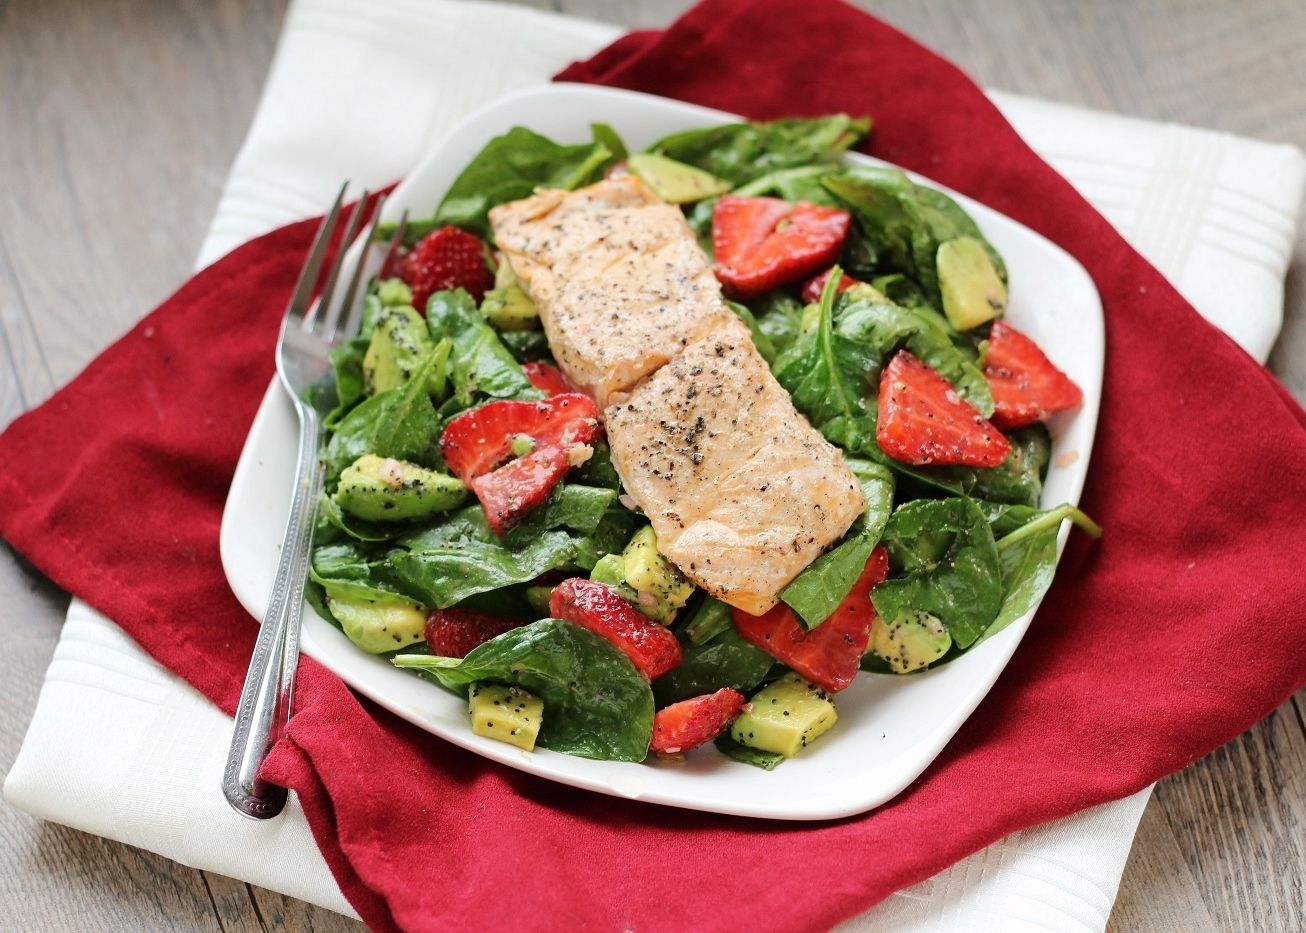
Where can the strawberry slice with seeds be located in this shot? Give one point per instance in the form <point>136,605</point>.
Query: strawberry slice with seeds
<point>922,420</point>
<point>763,243</point>
<point>693,722</point>
<point>513,453</point>
<point>547,378</point>
<point>1027,386</point>
<point>598,607</point>
<point>453,633</point>
<point>811,292</point>
<point>446,258</point>
<point>830,654</point>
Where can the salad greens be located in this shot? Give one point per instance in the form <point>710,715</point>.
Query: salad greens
<point>968,548</point>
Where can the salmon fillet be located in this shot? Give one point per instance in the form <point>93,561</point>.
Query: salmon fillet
<point>742,492</point>
<point>620,283</point>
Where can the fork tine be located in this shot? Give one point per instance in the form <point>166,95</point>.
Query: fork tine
<point>396,239</point>
<point>313,264</point>
<point>329,314</point>
<point>352,310</point>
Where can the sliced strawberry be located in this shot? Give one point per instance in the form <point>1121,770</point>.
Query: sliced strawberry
<point>547,378</point>
<point>453,633</point>
<point>1026,386</point>
<point>812,290</point>
<point>763,243</point>
<point>830,654</point>
<point>518,486</point>
<point>446,258</point>
<point>478,447</point>
<point>922,419</point>
<point>481,439</point>
<point>598,607</point>
<point>690,723</point>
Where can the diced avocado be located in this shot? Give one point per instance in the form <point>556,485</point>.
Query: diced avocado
<point>662,588</point>
<point>809,319</point>
<point>378,626</point>
<point>914,639</point>
<point>868,293</point>
<point>400,342</point>
<point>785,717</point>
<point>510,309</point>
<point>385,489</point>
<point>972,291</point>
<point>394,293</point>
<point>675,182</point>
<point>508,714</point>
<point>610,569</point>
<point>537,597</point>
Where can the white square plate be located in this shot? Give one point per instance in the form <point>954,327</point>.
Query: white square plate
<point>890,728</point>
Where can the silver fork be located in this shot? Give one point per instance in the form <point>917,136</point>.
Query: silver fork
<point>308,333</point>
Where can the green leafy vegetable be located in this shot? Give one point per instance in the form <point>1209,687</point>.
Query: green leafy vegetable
<point>596,704</point>
<point>949,561</point>
<point>399,423</point>
<point>479,364</point>
<point>347,571</point>
<point>779,317</point>
<point>760,340</point>
<point>512,166</point>
<point>816,592</point>
<point>741,152</point>
<point>725,661</point>
<point>710,619</point>
<point>526,345</point>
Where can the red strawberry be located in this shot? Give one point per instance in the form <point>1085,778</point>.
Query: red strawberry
<point>447,258</point>
<point>453,633</point>
<point>690,723</point>
<point>830,654</point>
<point>1026,386</point>
<point>922,419</point>
<point>598,607</point>
<point>812,290</point>
<point>763,243</point>
<point>547,378</point>
<point>477,444</point>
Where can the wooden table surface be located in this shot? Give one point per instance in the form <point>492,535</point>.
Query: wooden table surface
<point>118,121</point>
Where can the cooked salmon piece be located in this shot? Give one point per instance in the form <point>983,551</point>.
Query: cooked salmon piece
<point>620,283</point>
<point>742,492</point>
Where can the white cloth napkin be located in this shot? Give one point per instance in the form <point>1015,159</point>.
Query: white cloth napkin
<point>360,91</point>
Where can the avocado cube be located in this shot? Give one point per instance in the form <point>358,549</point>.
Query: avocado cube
<point>610,569</point>
<point>913,640</point>
<point>649,572</point>
<point>384,489</point>
<point>972,291</point>
<point>379,626</point>
<point>537,597</point>
<point>785,716</point>
<point>400,342</point>
<point>675,182</point>
<point>510,308</point>
<point>509,714</point>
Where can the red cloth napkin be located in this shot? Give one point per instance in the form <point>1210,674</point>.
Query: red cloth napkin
<point>1177,631</point>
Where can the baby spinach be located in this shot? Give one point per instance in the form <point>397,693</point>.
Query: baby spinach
<point>526,345</point>
<point>479,364</point>
<point>816,592</point>
<point>725,661</point>
<point>596,705</point>
<point>710,619</point>
<point>512,166</point>
<point>348,570</point>
<point>760,340</point>
<point>945,551</point>
<point>741,152</point>
<point>779,317</point>
<point>399,423</point>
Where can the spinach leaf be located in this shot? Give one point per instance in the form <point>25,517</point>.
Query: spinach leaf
<point>725,661</point>
<point>580,508</point>
<point>741,152</point>
<point>949,561</point>
<point>399,423</point>
<point>526,345</point>
<point>598,469</point>
<point>479,364</point>
<point>1028,554</point>
<point>733,750</point>
<point>779,318</point>
<point>607,137</point>
<point>792,184</point>
<point>760,340</point>
<point>816,592</point>
<point>710,619</point>
<point>596,704</point>
<point>347,570</point>
<point>512,166</point>
<point>347,363</point>
<point>905,222</point>
<point>1019,478</point>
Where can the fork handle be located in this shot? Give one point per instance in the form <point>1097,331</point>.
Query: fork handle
<point>265,700</point>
